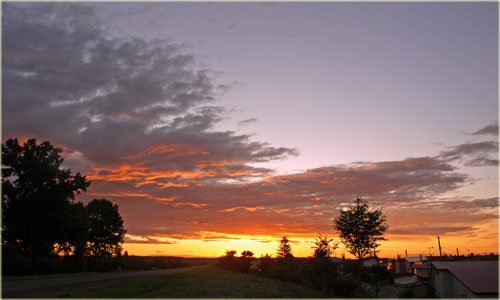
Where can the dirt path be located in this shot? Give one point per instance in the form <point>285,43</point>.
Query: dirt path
<point>28,284</point>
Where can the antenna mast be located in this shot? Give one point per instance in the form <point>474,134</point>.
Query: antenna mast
<point>439,244</point>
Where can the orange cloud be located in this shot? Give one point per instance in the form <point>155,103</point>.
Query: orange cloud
<point>251,209</point>
<point>197,205</point>
<point>123,172</point>
<point>121,195</point>
<point>176,150</point>
<point>296,205</point>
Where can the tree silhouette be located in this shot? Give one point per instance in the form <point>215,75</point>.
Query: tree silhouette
<point>247,253</point>
<point>35,195</point>
<point>245,261</point>
<point>106,231</point>
<point>377,277</point>
<point>228,260</point>
<point>360,227</point>
<point>76,221</point>
<point>265,263</point>
<point>322,247</point>
<point>230,253</point>
<point>284,249</point>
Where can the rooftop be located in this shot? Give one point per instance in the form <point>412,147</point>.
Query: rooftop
<point>404,280</point>
<point>480,276</point>
<point>420,266</point>
<point>415,258</point>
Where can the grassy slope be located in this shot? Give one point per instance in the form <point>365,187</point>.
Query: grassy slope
<point>24,277</point>
<point>210,282</point>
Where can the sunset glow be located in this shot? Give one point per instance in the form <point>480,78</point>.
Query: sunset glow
<point>226,126</point>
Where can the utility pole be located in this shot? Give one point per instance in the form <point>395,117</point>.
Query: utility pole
<point>406,253</point>
<point>457,252</point>
<point>439,244</point>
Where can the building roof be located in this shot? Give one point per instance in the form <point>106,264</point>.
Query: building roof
<point>415,258</point>
<point>481,277</point>
<point>420,267</point>
<point>403,280</point>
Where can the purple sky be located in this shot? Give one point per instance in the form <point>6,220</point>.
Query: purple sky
<point>354,81</point>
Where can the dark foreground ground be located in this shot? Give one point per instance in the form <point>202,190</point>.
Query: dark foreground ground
<point>191,282</point>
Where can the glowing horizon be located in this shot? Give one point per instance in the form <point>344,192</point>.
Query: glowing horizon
<point>302,247</point>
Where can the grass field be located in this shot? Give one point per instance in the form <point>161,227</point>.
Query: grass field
<point>13,278</point>
<point>209,282</point>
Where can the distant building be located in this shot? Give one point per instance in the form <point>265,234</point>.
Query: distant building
<point>419,266</point>
<point>406,280</point>
<point>465,279</point>
<point>416,259</point>
<point>417,287</point>
<point>422,271</point>
<point>409,265</point>
<point>383,262</point>
<point>409,284</point>
<point>399,266</point>
<point>335,259</point>
<point>370,261</point>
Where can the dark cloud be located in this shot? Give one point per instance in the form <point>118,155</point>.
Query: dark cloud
<point>247,121</point>
<point>479,154</point>
<point>491,130</point>
<point>486,203</point>
<point>111,98</point>
<point>472,204</point>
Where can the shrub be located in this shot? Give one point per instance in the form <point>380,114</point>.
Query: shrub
<point>377,277</point>
<point>228,261</point>
<point>265,263</point>
<point>320,274</point>
<point>286,270</point>
<point>239,264</point>
<point>345,286</point>
<point>244,262</point>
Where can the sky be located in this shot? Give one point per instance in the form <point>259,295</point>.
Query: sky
<point>225,126</point>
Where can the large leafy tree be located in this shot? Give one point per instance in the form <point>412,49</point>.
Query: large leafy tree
<point>36,193</point>
<point>361,227</point>
<point>76,223</point>
<point>106,232</point>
